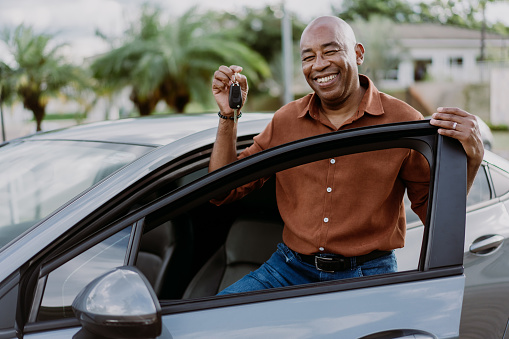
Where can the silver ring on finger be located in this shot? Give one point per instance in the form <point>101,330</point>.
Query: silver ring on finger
<point>454,125</point>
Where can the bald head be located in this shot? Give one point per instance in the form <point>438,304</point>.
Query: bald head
<point>342,29</point>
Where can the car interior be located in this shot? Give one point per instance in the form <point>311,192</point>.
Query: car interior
<point>210,247</point>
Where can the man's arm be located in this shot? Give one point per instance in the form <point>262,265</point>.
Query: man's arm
<point>461,125</point>
<point>225,146</point>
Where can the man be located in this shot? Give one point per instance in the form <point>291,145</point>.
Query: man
<point>343,216</point>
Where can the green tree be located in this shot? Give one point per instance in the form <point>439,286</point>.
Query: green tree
<point>6,83</point>
<point>260,29</point>
<point>395,10</point>
<point>130,64</point>
<point>173,61</point>
<point>40,72</point>
<point>465,13</point>
<point>6,91</point>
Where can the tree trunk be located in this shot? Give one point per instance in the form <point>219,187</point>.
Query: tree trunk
<point>39,114</point>
<point>147,104</point>
<point>32,101</point>
<point>180,103</point>
<point>174,96</point>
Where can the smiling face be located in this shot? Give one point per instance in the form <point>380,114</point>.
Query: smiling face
<point>330,57</point>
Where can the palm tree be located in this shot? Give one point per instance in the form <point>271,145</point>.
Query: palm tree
<point>195,53</point>
<point>173,62</point>
<point>40,72</point>
<point>6,91</point>
<point>130,64</point>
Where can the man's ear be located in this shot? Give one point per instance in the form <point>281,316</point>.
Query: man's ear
<point>359,52</point>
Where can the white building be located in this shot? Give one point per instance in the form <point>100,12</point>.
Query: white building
<point>439,61</point>
<point>445,53</point>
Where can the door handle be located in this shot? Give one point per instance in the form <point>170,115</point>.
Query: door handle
<point>486,244</point>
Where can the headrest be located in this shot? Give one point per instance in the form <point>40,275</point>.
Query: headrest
<point>156,241</point>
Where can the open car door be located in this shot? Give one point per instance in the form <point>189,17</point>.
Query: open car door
<point>424,302</point>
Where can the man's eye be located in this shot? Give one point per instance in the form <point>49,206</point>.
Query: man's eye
<point>330,52</point>
<point>307,58</point>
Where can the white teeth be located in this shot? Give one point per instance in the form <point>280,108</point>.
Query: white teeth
<point>325,79</point>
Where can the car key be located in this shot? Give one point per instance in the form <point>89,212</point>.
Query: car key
<point>235,98</point>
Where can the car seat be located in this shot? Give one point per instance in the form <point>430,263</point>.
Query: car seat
<point>250,242</point>
<point>156,249</point>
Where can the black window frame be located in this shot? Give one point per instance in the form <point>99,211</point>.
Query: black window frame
<point>446,253</point>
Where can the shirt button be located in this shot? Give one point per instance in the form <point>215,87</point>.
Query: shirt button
<point>332,161</point>
<point>329,189</point>
<point>321,249</point>
<point>325,219</point>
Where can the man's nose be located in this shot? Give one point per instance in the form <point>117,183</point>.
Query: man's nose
<point>320,63</point>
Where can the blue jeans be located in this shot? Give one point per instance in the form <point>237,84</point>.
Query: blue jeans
<point>285,268</point>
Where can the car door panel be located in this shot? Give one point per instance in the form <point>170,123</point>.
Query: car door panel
<point>491,220</point>
<point>429,306</point>
<point>486,303</point>
<point>487,278</point>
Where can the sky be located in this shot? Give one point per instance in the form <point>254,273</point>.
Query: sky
<point>75,21</point>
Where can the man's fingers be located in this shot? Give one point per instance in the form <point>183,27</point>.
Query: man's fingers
<point>242,81</point>
<point>453,110</point>
<point>452,124</point>
<point>226,70</point>
<point>218,85</point>
<point>223,75</point>
<point>236,69</point>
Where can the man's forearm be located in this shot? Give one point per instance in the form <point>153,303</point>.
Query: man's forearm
<point>224,151</point>
<point>472,169</point>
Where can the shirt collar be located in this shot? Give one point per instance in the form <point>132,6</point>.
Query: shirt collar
<point>370,103</point>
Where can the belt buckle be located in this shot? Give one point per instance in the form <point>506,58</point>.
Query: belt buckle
<point>329,264</point>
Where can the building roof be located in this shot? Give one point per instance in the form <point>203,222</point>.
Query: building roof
<point>437,31</point>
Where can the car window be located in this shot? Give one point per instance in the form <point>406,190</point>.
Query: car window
<point>43,175</point>
<point>411,217</point>
<point>198,239</point>
<point>480,190</point>
<point>500,181</point>
<point>65,282</point>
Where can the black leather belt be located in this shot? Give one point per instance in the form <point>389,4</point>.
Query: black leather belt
<point>338,262</point>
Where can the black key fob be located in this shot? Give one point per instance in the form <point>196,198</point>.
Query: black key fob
<point>235,98</point>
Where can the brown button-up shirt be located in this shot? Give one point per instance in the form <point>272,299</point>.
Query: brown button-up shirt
<point>349,205</point>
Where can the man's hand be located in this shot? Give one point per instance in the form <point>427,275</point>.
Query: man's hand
<point>461,125</point>
<point>221,83</point>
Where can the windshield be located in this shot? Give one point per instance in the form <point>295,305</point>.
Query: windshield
<point>37,177</point>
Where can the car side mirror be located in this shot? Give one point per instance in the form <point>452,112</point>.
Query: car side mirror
<point>118,304</point>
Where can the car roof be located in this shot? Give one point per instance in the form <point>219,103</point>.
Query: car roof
<point>496,160</point>
<point>154,130</point>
